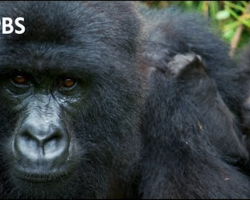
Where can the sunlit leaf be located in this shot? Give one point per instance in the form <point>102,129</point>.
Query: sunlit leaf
<point>222,15</point>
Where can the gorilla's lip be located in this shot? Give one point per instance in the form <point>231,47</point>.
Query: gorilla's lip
<point>41,177</point>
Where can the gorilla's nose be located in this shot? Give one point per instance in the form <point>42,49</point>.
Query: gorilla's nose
<point>41,143</point>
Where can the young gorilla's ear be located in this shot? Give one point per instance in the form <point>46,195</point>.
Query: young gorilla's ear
<point>185,66</point>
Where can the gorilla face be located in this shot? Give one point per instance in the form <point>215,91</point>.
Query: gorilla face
<point>70,96</point>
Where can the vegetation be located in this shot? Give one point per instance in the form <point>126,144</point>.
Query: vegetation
<point>232,17</point>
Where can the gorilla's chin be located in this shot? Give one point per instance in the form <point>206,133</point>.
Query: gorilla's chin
<point>41,186</point>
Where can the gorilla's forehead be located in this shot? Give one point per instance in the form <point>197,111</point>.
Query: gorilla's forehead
<point>76,34</point>
<point>52,59</point>
<point>74,22</point>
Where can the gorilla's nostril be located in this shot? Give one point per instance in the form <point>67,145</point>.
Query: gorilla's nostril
<point>26,144</point>
<point>55,144</point>
<point>56,136</point>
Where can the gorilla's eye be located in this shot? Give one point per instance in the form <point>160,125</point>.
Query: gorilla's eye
<point>66,82</point>
<point>20,79</point>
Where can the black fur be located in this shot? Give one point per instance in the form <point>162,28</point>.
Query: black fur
<point>192,137</point>
<point>97,43</point>
<point>187,144</point>
<point>243,59</point>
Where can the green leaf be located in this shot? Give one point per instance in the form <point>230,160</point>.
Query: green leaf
<point>222,15</point>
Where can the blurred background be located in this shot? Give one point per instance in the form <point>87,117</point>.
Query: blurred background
<point>232,18</point>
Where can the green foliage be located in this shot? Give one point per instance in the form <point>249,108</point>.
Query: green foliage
<point>231,17</point>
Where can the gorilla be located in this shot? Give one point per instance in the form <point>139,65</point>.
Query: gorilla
<point>193,144</point>
<point>70,100</point>
<point>110,100</point>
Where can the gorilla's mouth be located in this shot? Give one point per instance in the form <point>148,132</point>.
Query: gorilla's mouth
<point>41,177</point>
